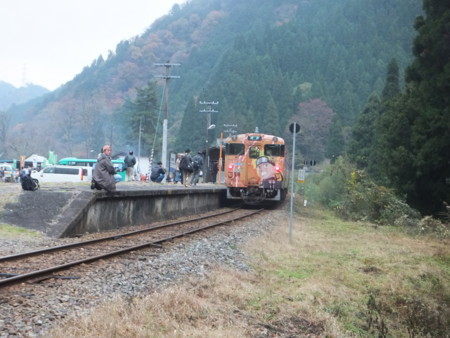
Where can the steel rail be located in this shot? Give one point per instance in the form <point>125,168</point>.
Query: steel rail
<point>34,274</point>
<point>108,238</point>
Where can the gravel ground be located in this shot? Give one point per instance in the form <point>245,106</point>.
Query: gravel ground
<point>31,311</point>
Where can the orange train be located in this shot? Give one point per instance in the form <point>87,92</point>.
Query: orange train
<point>255,168</point>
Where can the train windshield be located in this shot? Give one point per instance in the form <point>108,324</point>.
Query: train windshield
<point>254,152</point>
<point>234,149</point>
<point>274,150</point>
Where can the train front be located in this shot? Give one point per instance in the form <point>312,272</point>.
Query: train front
<point>254,168</point>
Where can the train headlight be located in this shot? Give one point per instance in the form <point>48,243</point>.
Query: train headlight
<point>230,167</point>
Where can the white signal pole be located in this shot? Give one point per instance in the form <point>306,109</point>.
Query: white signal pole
<point>166,77</point>
<point>139,150</point>
<point>209,126</point>
<point>294,128</point>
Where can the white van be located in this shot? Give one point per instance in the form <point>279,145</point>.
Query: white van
<point>8,172</point>
<point>63,173</point>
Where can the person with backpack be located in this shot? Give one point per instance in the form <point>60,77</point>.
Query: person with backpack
<point>130,162</point>
<point>186,168</point>
<point>197,164</point>
<point>27,182</point>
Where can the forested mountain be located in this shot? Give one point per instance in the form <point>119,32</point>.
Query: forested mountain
<point>10,95</point>
<point>335,52</point>
<point>260,60</point>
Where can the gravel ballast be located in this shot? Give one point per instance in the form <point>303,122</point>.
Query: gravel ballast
<point>29,311</point>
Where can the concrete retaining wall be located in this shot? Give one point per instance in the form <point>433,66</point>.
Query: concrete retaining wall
<point>102,211</point>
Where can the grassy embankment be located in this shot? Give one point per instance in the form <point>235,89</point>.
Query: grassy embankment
<point>334,278</point>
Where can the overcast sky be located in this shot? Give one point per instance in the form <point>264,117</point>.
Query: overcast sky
<point>48,42</point>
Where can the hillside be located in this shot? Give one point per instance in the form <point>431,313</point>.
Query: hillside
<point>249,56</point>
<point>10,95</point>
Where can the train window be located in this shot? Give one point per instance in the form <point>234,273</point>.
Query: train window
<point>254,152</point>
<point>274,150</point>
<point>234,149</point>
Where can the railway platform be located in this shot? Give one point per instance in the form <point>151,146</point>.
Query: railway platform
<point>68,210</point>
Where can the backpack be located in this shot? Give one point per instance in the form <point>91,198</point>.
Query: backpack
<point>29,183</point>
<point>198,162</point>
<point>195,165</point>
<point>186,165</point>
<point>129,161</point>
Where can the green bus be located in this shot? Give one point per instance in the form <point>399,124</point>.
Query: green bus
<point>90,162</point>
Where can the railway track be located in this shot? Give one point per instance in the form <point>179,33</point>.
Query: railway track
<point>44,263</point>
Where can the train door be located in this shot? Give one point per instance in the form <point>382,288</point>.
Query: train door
<point>235,164</point>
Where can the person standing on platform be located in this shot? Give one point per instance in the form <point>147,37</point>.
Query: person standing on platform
<point>104,171</point>
<point>130,162</point>
<point>178,175</point>
<point>158,173</point>
<point>197,164</point>
<point>186,167</point>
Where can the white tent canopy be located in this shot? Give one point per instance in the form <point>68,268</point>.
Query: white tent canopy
<point>36,159</point>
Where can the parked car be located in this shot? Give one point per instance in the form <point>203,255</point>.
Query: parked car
<point>63,173</point>
<point>9,172</point>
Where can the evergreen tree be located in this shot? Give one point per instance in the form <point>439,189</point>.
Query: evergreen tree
<point>193,128</point>
<point>282,94</point>
<point>335,142</point>
<point>271,120</point>
<point>415,129</point>
<point>315,119</point>
<point>361,145</point>
<point>429,80</point>
<point>249,122</point>
<point>143,112</point>
<point>392,87</point>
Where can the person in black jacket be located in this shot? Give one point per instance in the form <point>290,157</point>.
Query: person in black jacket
<point>130,161</point>
<point>158,173</point>
<point>197,164</point>
<point>186,167</point>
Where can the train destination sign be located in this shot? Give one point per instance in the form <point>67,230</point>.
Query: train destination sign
<point>254,137</point>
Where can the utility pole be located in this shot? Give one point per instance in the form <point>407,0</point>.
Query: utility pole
<point>139,149</point>
<point>209,126</point>
<point>166,77</point>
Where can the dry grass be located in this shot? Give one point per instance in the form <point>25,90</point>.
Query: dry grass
<point>332,279</point>
<point>14,232</point>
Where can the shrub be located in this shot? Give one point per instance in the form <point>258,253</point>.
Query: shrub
<point>354,196</point>
<point>430,225</point>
